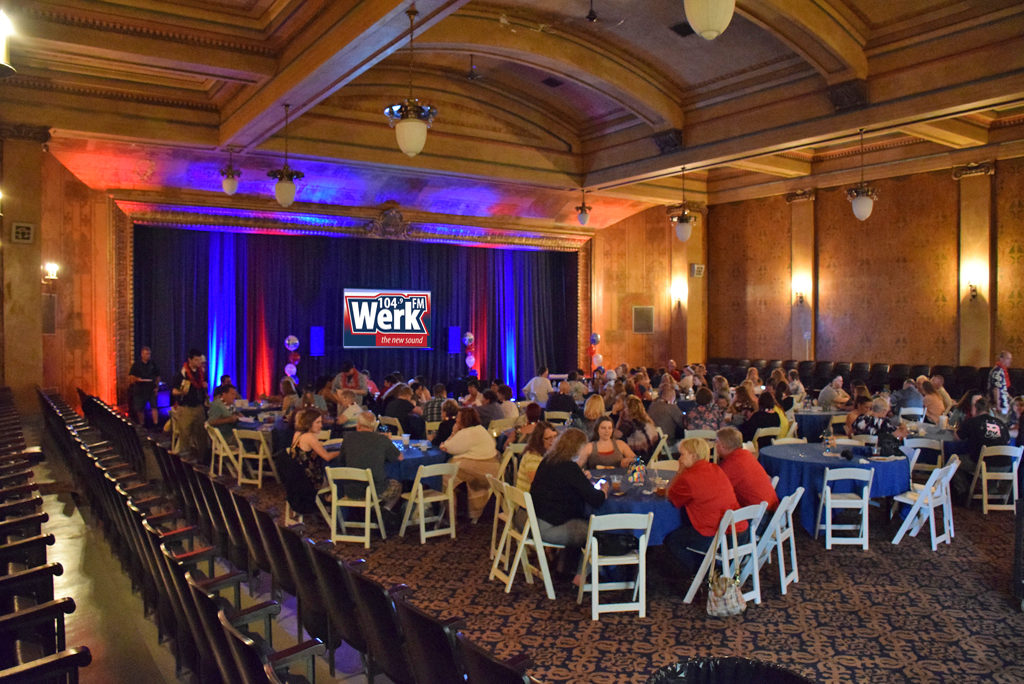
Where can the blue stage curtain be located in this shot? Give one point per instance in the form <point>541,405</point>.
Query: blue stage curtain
<point>521,305</point>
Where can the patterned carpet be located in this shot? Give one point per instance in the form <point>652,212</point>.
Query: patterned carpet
<point>890,614</point>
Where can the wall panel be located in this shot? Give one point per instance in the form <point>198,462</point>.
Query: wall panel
<point>749,279</point>
<point>887,287</point>
<point>1009,257</point>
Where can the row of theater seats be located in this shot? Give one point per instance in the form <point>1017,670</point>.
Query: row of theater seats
<point>877,376</point>
<point>32,635</point>
<point>335,601</point>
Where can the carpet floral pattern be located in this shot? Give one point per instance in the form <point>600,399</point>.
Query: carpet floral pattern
<point>889,614</point>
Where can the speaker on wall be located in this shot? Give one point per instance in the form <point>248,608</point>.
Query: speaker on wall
<point>454,339</point>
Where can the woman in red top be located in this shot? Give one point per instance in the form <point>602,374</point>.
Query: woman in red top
<point>702,493</point>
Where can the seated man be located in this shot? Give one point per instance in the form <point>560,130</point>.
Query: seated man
<point>908,397</point>
<point>876,421</point>
<point>562,400</point>
<point>833,397</point>
<point>666,414</point>
<point>490,409</point>
<point>222,412</point>
<point>748,477</point>
<point>405,410</point>
<point>982,430</point>
<point>432,409</point>
<point>703,493</point>
<point>367,448</point>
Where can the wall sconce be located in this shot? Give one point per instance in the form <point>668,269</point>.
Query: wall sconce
<point>800,298</point>
<point>973,290</point>
<point>679,290</point>
<point>50,271</point>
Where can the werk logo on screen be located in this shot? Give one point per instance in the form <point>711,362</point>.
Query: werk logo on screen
<point>393,319</point>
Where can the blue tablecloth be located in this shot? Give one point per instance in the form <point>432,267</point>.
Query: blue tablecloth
<point>803,465</point>
<point>412,459</point>
<point>811,424</point>
<point>633,500</point>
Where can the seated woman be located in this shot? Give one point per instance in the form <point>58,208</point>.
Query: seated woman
<point>796,388</point>
<point>723,393</point>
<point>561,493</point>
<point>290,398</point>
<point>307,450</point>
<point>449,411</point>
<point>861,405</point>
<point>541,441</point>
<point>933,406</point>
<point>703,493</point>
<point>592,410</point>
<point>706,415</point>
<point>605,450</point>
<point>964,408</point>
<point>876,421</point>
<point>765,417</point>
<point>782,397</point>
<point>754,378</point>
<point>637,428</point>
<point>472,447</point>
<point>525,423</point>
<point>327,394</point>
<point>743,406</point>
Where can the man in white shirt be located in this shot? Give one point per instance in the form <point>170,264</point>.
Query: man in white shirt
<point>539,387</point>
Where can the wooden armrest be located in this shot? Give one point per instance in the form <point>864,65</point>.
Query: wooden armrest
<point>196,556</point>
<point>305,650</point>
<point>15,491</point>
<point>13,465</point>
<point>17,549</point>
<point>225,581</point>
<point>30,521</point>
<point>157,518</point>
<point>37,581</point>
<point>20,506</point>
<point>36,615</point>
<point>48,667</point>
<point>257,612</point>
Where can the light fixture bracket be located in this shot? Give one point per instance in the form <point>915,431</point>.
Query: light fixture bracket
<point>389,224</point>
<point>410,108</point>
<point>285,173</point>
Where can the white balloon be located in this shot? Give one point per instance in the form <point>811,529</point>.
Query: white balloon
<point>290,370</point>
<point>598,359</point>
<point>470,360</point>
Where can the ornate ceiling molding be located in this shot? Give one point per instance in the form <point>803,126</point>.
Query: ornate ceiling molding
<point>974,169</point>
<point>46,85</point>
<point>120,27</point>
<point>12,131</point>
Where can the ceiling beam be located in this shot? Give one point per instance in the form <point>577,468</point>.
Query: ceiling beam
<point>775,165</point>
<point>953,133</point>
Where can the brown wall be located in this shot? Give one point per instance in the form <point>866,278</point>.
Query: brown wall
<point>1009,256</point>
<point>887,287</point>
<point>632,267</point>
<point>749,279</point>
<point>76,233</point>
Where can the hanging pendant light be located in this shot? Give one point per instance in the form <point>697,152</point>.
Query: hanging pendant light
<point>286,176</point>
<point>583,211</point>
<point>709,18</point>
<point>229,176</point>
<point>409,118</point>
<point>681,217</point>
<point>862,198</point>
<point>6,31</point>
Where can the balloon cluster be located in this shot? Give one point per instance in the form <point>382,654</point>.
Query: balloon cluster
<point>467,341</point>
<point>291,343</point>
<point>595,358</point>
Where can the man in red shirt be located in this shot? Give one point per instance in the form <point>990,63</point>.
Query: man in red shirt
<point>702,493</point>
<point>748,477</point>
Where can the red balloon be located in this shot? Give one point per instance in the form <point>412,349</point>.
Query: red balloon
<point>294,357</point>
<point>593,349</point>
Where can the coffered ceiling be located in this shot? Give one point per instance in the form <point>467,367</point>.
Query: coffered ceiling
<point>144,98</point>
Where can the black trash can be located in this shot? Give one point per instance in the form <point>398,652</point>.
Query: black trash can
<point>726,670</point>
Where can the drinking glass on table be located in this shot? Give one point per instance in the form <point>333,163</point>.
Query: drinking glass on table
<point>616,483</point>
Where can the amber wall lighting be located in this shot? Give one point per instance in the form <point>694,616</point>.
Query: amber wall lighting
<point>51,271</point>
<point>6,31</point>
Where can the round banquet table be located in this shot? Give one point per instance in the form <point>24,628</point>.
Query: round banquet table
<point>803,465</point>
<point>633,500</point>
<point>810,424</point>
<point>951,444</point>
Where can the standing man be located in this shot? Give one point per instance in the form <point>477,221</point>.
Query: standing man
<point>143,379</point>
<point>999,385</point>
<point>188,389</point>
<point>539,387</point>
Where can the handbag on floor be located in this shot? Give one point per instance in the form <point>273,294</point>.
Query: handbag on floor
<point>725,598</point>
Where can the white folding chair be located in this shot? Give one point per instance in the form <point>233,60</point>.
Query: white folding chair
<point>261,455</point>
<point>913,414</point>
<point>420,496</point>
<point>831,501</point>
<point>432,426</point>
<point>776,534</point>
<point>369,502</point>
<point>727,550</point>
<point>924,500</point>
<point>394,426</point>
<point>789,440</point>
<point>323,435</point>
<point>912,456</point>
<point>982,472</point>
<point>661,449</point>
<point>175,434</point>
<point>496,427</point>
<point>791,432</point>
<point>775,481</point>
<point>557,417</point>
<point>709,435</point>
<point>664,468</point>
<point>869,440</point>
<point>502,518</point>
<point>525,538</point>
<point>923,443</point>
<point>846,442</point>
<point>760,433</point>
<point>221,451</point>
<point>592,559</point>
